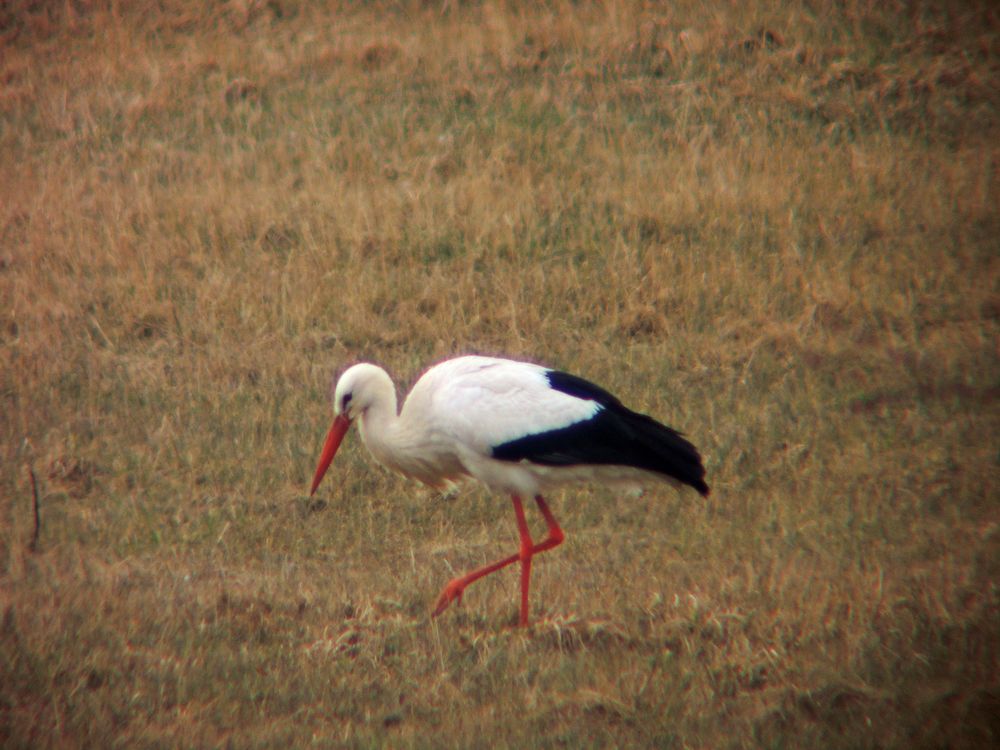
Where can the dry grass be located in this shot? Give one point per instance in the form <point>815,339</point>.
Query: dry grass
<point>775,227</point>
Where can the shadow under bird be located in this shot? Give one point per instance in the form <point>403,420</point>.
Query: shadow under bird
<point>519,428</point>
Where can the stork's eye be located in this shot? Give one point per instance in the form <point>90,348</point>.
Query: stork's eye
<point>345,401</point>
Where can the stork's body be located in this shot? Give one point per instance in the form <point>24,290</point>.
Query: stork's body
<point>518,428</point>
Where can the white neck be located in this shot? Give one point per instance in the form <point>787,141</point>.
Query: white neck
<point>379,419</point>
<point>399,442</point>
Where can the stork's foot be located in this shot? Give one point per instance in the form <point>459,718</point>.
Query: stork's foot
<point>451,593</point>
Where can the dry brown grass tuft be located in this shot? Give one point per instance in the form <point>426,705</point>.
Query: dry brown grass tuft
<point>775,227</point>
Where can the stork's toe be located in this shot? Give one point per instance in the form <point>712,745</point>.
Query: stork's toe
<point>451,593</point>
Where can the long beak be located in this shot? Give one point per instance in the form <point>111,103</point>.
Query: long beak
<point>340,426</point>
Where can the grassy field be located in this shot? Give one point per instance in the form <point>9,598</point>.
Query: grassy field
<point>774,226</point>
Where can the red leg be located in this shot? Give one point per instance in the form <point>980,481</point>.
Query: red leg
<point>556,535</point>
<point>453,591</point>
<point>525,557</point>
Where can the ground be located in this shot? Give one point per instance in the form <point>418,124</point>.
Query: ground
<point>772,226</point>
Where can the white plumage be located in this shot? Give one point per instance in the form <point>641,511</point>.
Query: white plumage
<point>454,416</point>
<point>517,427</point>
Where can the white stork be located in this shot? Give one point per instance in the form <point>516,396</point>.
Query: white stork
<point>518,428</point>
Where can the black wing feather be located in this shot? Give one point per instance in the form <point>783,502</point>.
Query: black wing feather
<point>615,435</point>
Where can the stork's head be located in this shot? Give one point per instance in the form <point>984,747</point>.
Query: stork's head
<point>357,391</point>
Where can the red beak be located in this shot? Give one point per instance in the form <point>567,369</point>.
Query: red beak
<point>340,426</point>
